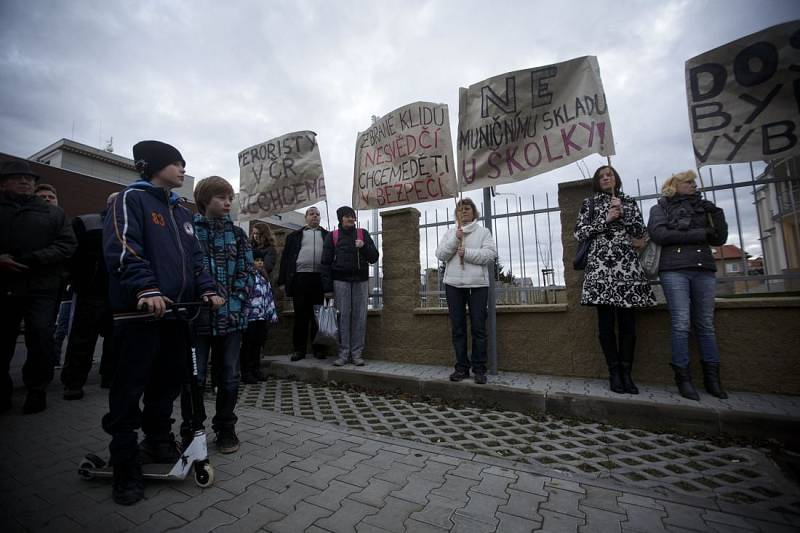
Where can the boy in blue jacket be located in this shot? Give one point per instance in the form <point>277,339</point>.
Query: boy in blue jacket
<point>153,259</point>
<point>228,258</point>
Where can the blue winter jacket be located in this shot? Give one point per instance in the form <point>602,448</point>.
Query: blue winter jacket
<point>229,260</point>
<point>150,249</point>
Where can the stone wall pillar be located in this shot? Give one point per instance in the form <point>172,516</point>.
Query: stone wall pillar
<point>401,280</point>
<point>584,350</point>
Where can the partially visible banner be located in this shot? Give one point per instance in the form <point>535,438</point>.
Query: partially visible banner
<point>280,175</point>
<point>524,123</point>
<point>405,157</point>
<point>744,98</point>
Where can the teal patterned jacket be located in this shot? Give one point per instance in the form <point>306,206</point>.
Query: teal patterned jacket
<point>228,258</point>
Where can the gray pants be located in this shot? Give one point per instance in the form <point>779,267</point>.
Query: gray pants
<point>351,301</point>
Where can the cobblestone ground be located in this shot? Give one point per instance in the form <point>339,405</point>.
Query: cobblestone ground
<point>662,463</point>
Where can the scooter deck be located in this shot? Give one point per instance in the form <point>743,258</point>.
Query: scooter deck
<point>149,470</point>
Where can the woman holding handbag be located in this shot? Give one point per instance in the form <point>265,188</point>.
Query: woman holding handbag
<point>686,226</point>
<point>614,281</point>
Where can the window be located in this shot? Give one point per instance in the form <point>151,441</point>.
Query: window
<point>732,268</point>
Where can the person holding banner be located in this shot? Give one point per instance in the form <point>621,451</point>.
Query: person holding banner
<point>686,226</point>
<point>346,257</point>
<point>614,281</point>
<point>301,277</point>
<point>468,250</point>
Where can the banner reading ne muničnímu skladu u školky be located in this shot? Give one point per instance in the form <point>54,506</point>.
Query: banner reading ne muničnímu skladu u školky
<point>744,98</point>
<point>405,157</point>
<point>524,123</point>
<point>280,175</point>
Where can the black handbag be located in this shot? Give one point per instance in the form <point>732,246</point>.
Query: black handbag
<point>582,253</point>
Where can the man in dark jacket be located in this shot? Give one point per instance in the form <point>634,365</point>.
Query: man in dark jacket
<point>346,257</point>
<point>35,243</point>
<point>302,279</point>
<point>92,313</point>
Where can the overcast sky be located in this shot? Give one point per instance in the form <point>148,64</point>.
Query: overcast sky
<point>213,77</point>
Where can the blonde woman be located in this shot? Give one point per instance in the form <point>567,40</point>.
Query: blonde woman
<point>686,226</point>
<point>468,250</point>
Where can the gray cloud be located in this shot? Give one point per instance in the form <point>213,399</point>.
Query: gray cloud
<point>214,78</point>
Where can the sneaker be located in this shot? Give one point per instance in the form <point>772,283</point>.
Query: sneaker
<point>340,362</point>
<point>296,356</point>
<point>358,361</point>
<point>161,449</point>
<point>227,441</point>
<point>480,378</point>
<point>35,402</point>
<point>73,394</point>
<point>128,485</point>
<point>459,375</point>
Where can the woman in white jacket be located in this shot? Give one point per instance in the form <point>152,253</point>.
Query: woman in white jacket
<point>468,250</point>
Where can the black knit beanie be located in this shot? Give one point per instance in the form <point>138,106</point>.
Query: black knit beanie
<point>152,156</point>
<point>345,210</point>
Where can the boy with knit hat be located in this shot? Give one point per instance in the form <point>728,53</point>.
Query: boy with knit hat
<point>153,259</point>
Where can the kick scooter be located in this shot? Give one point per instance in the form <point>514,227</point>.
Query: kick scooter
<point>194,455</point>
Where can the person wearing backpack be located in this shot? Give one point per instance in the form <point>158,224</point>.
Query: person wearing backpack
<point>346,256</point>
<point>614,281</point>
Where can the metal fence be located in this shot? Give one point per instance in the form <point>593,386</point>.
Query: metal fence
<point>762,254</point>
<point>527,236</point>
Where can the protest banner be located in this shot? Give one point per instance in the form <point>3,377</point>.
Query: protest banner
<point>280,175</point>
<point>524,123</point>
<point>744,98</point>
<point>405,157</point>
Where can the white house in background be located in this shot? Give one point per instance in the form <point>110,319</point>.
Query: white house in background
<point>778,208</point>
<point>91,161</point>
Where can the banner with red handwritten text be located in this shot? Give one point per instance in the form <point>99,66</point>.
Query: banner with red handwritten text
<point>520,124</point>
<point>405,157</point>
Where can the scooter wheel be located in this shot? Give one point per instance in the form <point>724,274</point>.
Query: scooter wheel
<point>85,469</point>
<point>203,474</point>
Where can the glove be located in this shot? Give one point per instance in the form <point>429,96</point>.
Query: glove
<point>709,207</point>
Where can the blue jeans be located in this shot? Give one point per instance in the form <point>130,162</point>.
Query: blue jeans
<point>457,301</point>
<point>225,363</point>
<point>690,298</point>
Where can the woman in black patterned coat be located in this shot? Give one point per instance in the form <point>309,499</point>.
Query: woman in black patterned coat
<point>614,281</point>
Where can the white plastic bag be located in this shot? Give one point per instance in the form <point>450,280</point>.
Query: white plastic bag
<point>327,317</point>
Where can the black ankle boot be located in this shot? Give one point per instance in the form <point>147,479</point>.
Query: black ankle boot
<point>35,402</point>
<point>627,345</point>
<point>128,487</point>
<point>160,449</point>
<point>683,379</point>
<point>609,346</point>
<point>711,380</point>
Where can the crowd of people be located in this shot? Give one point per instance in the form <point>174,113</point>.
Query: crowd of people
<point>146,253</point>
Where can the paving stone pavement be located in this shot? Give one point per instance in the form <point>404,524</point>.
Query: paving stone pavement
<point>663,463</point>
<point>293,474</point>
